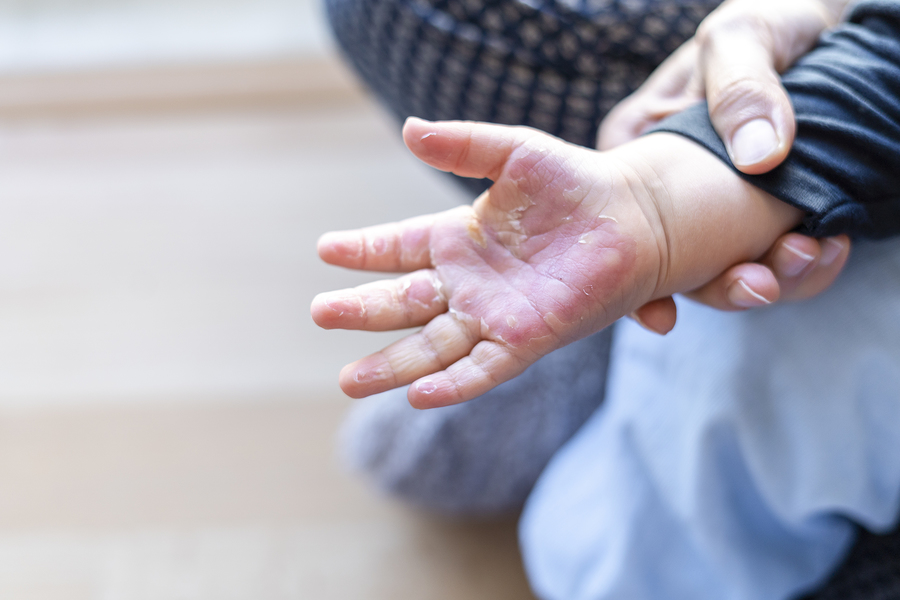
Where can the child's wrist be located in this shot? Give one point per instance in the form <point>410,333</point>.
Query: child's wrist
<point>709,217</point>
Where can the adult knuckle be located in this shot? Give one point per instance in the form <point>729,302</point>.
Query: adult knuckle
<point>737,94</point>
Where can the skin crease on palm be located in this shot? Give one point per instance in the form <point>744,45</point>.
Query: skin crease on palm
<point>565,242</point>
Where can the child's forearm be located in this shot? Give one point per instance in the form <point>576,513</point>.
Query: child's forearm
<point>711,218</point>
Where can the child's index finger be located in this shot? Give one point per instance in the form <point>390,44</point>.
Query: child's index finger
<point>466,148</point>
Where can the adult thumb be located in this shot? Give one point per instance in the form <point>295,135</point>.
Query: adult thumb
<point>748,106</point>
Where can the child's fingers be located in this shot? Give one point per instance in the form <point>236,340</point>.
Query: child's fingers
<point>487,366</point>
<point>408,301</point>
<point>467,148</point>
<point>393,247</point>
<point>442,342</point>
<point>658,316</point>
<point>670,89</point>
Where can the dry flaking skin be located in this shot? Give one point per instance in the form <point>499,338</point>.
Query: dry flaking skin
<point>476,232</point>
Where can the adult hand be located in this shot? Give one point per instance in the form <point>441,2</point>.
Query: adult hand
<point>733,62</point>
<point>795,268</point>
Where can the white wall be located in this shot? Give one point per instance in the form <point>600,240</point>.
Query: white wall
<point>53,35</point>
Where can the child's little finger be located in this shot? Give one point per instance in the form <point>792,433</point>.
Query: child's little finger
<point>658,316</point>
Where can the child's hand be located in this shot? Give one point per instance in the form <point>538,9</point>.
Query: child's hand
<point>565,242</point>
<point>561,246</point>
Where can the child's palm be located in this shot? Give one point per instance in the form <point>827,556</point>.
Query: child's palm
<point>550,254</point>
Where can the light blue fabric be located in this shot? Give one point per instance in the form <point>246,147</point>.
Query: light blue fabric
<point>730,454</point>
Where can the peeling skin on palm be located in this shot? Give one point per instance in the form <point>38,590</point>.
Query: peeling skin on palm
<point>507,251</point>
<point>514,235</point>
<point>520,328</point>
<point>512,241</point>
<point>574,195</point>
<point>554,322</point>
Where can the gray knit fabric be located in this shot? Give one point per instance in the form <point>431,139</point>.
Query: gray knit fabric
<point>481,457</point>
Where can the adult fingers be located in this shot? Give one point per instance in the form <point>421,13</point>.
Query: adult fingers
<point>670,89</point>
<point>393,247</point>
<point>802,266</point>
<point>733,61</point>
<point>748,107</point>
<point>408,301</point>
<point>805,266</point>
<point>747,285</point>
<point>796,268</point>
<point>742,48</point>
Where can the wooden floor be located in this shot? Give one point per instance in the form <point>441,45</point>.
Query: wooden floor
<point>167,408</point>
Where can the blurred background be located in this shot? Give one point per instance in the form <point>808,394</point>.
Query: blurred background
<point>167,408</point>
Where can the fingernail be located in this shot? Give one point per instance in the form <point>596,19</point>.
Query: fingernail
<point>754,141</point>
<point>831,249</point>
<point>793,262</point>
<point>740,294</point>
